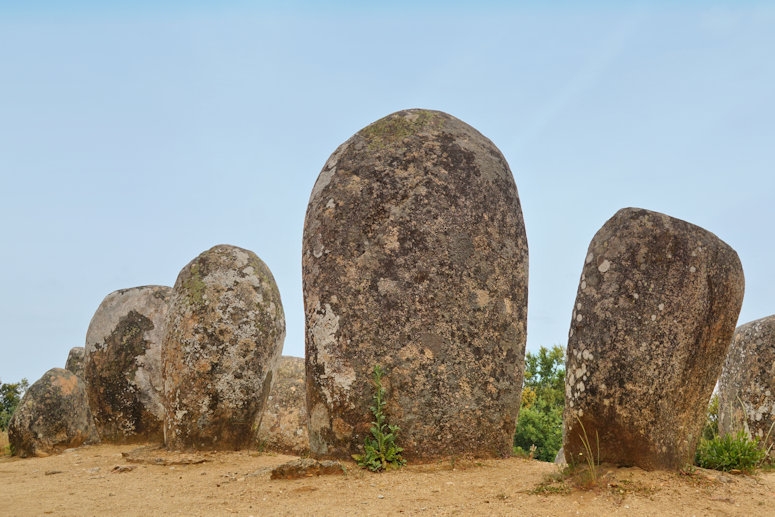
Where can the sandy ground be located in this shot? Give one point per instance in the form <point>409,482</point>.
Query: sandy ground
<point>99,480</point>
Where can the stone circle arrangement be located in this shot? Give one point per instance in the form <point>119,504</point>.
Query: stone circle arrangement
<point>415,258</point>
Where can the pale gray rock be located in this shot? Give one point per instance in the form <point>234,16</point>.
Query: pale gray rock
<point>74,362</point>
<point>122,364</point>
<point>415,258</point>
<point>52,416</point>
<point>654,315</point>
<point>283,424</point>
<point>747,383</point>
<point>225,332</point>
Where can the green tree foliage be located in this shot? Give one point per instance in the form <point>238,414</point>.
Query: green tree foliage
<point>539,427</point>
<point>10,397</point>
<point>710,430</point>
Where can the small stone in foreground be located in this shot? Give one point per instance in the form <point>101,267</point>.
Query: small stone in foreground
<point>305,468</point>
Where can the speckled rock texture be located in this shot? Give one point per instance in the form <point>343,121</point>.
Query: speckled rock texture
<point>122,364</point>
<point>654,315</point>
<point>53,416</point>
<point>415,258</point>
<point>283,425</point>
<point>225,333</point>
<point>748,381</point>
<point>74,362</point>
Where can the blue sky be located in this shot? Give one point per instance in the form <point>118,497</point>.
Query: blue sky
<point>134,136</point>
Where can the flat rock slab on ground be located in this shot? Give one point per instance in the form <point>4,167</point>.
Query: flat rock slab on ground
<point>307,467</point>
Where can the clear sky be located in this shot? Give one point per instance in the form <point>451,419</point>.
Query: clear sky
<point>135,135</point>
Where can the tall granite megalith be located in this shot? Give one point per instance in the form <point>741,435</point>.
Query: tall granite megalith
<point>225,332</point>
<point>415,258</point>
<point>52,416</point>
<point>122,364</point>
<point>747,383</point>
<point>654,315</point>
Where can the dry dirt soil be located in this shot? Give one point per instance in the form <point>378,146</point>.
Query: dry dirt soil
<point>100,480</point>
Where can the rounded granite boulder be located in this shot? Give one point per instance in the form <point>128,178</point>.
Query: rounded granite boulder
<point>747,384</point>
<point>283,425</point>
<point>52,416</point>
<point>655,310</point>
<point>122,364</point>
<point>74,361</point>
<point>225,332</point>
<point>415,258</point>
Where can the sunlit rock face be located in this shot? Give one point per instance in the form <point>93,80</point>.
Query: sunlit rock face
<point>52,416</point>
<point>655,310</point>
<point>224,334</point>
<point>415,258</point>
<point>747,383</point>
<point>122,364</point>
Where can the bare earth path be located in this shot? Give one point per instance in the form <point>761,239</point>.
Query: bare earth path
<point>99,480</point>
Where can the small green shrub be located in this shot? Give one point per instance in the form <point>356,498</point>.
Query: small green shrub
<point>730,452</point>
<point>380,449</point>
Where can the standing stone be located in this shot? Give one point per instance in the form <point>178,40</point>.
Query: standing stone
<point>225,333</point>
<point>415,258</point>
<point>654,314</point>
<point>74,362</point>
<point>122,364</point>
<point>283,426</point>
<point>52,416</point>
<point>747,383</point>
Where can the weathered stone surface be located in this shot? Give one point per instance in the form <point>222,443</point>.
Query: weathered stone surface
<point>74,362</point>
<point>225,333</point>
<point>122,364</point>
<point>747,383</point>
<point>654,315</point>
<point>283,425</point>
<point>52,416</point>
<point>305,468</point>
<point>415,257</point>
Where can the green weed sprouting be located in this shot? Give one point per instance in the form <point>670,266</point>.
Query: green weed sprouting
<point>592,462</point>
<point>380,449</point>
<point>730,452</point>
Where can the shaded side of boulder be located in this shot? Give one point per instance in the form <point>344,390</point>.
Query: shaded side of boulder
<point>654,315</point>
<point>74,362</point>
<point>283,424</point>
<point>747,383</point>
<point>122,364</point>
<point>52,416</point>
<point>225,332</point>
<point>415,258</point>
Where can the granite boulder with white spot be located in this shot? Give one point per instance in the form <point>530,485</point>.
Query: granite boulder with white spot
<point>655,311</point>
<point>224,334</point>
<point>122,364</point>
<point>415,258</point>
<point>747,384</point>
